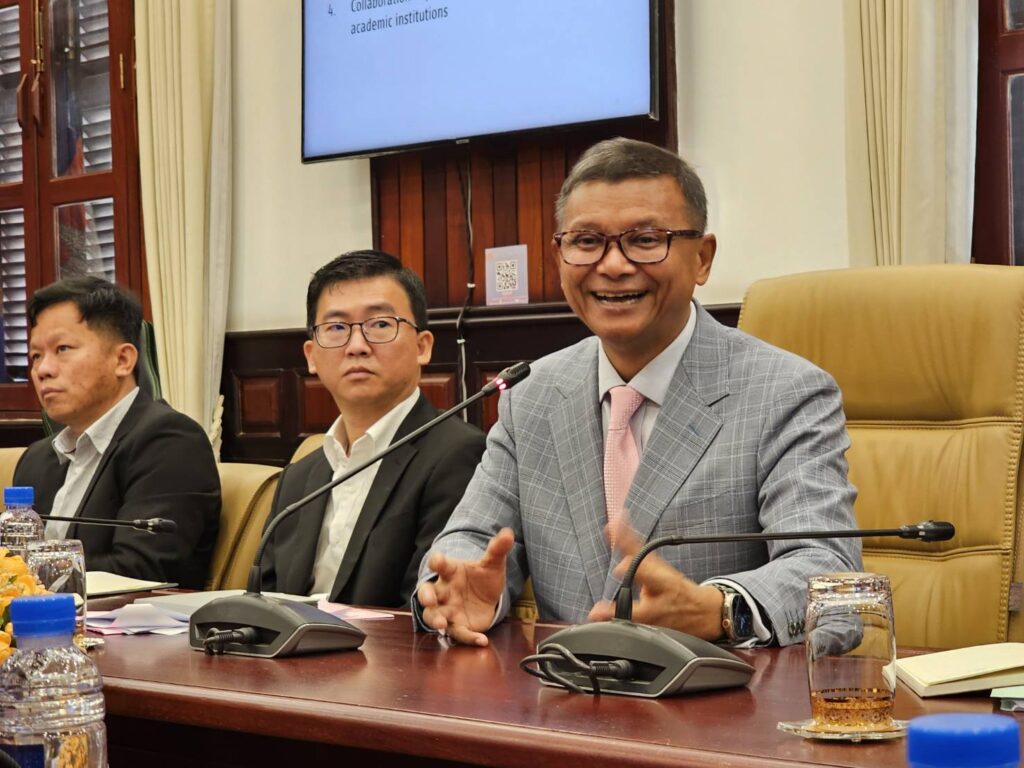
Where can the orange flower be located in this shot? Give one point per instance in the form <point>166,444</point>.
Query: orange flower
<point>15,581</point>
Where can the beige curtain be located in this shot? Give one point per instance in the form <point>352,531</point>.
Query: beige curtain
<point>911,103</point>
<point>184,82</point>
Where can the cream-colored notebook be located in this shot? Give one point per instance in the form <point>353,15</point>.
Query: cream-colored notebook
<point>963,670</point>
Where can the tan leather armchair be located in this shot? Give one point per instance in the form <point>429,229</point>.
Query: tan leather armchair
<point>930,361</point>
<point>247,493</point>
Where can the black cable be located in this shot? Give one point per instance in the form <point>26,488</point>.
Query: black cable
<point>619,669</point>
<point>216,639</point>
<point>466,190</point>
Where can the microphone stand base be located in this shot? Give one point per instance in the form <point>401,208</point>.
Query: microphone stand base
<point>664,662</point>
<point>280,627</point>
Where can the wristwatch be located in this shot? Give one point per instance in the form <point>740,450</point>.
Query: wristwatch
<point>737,617</point>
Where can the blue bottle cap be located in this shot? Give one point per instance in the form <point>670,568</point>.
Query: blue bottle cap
<point>963,740</point>
<point>43,615</point>
<point>19,496</point>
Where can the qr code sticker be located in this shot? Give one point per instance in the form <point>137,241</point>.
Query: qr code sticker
<point>506,275</point>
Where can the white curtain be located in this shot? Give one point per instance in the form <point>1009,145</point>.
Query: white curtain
<point>183,51</point>
<point>911,104</point>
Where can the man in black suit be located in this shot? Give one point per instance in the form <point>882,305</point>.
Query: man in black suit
<point>362,543</point>
<point>121,455</point>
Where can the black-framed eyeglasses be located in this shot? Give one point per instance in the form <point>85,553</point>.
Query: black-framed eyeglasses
<point>643,245</point>
<point>376,330</point>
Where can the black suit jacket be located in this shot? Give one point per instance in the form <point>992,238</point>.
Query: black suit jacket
<point>410,500</point>
<point>158,464</point>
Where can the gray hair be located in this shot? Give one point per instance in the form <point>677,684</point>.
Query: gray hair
<point>619,159</point>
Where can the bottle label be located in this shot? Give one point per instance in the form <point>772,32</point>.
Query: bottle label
<point>27,755</point>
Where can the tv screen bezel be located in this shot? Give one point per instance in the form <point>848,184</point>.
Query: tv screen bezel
<point>654,114</point>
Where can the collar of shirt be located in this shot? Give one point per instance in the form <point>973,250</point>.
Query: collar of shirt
<point>654,378</point>
<point>376,438</point>
<point>97,435</point>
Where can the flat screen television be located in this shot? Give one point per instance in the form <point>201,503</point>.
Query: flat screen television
<point>381,76</point>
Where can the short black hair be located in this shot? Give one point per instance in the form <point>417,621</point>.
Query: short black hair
<point>359,265</point>
<point>616,160</point>
<point>103,306</point>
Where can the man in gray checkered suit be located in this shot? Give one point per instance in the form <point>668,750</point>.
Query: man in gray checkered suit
<point>731,436</point>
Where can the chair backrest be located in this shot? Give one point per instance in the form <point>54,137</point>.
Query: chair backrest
<point>247,493</point>
<point>307,446</point>
<point>9,458</point>
<point>930,361</point>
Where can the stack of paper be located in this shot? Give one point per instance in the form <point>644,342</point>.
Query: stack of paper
<point>963,669</point>
<point>137,619</point>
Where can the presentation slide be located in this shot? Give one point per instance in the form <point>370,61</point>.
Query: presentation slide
<point>390,73</point>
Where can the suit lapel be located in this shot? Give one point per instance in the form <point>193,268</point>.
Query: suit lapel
<point>390,472</point>
<point>683,431</point>
<point>307,527</point>
<point>576,430</point>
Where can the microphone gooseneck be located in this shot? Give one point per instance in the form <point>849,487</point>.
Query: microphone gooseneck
<point>147,524</point>
<point>930,530</point>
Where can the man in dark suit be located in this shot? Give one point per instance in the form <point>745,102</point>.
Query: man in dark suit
<point>362,543</point>
<point>121,455</point>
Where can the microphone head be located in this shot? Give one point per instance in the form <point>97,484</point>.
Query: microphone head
<point>159,525</point>
<point>512,375</point>
<point>507,378</point>
<point>930,530</point>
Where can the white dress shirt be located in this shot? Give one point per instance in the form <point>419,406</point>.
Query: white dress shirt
<point>346,500</point>
<point>84,456</point>
<point>652,381</point>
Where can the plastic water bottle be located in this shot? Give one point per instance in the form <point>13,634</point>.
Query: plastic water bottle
<point>963,741</point>
<point>19,523</point>
<point>51,697</point>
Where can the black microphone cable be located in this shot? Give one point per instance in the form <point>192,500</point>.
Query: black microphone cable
<point>216,639</point>
<point>617,669</point>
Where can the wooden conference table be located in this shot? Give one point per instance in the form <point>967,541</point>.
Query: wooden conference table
<point>407,699</point>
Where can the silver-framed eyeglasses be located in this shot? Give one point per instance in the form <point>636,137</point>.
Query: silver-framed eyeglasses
<point>643,245</point>
<point>376,330</point>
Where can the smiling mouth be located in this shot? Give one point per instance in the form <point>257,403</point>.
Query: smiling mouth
<point>618,298</point>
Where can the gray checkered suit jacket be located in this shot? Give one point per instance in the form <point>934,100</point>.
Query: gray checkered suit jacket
<point>749,438</point>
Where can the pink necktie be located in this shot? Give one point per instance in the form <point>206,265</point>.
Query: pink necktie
<point>621,457</point>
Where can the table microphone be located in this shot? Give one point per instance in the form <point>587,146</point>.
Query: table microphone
<point>149,524</point>
<point>625,658</point>
<point>254,624</point>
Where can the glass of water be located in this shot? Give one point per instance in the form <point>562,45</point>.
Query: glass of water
<point>851,658</point>
<point>59,564</point>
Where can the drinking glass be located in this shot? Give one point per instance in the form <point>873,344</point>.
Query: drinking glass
<point>59,564</point>
<point>851,659</point>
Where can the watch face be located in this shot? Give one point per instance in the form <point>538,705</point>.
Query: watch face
<point>742,618</point>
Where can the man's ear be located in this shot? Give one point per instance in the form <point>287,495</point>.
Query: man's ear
<point>127,357</point>
<point>424,347</point>
<point>307,350</point>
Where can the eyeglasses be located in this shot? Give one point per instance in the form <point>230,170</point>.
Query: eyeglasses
<point>645,245</point>
<point>376,330</point>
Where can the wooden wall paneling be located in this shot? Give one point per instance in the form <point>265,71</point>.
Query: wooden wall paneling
<point>440,388</point>
<point>506,222</point>
<point>483,218</point>
<point>552,174</point>
<point>528,215</point>
<point>435,230</point>
<point>389,209</point>
<point>458,248</point>
<point>259,397</point>
<point>316,408</point>
<point>410,192</point>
